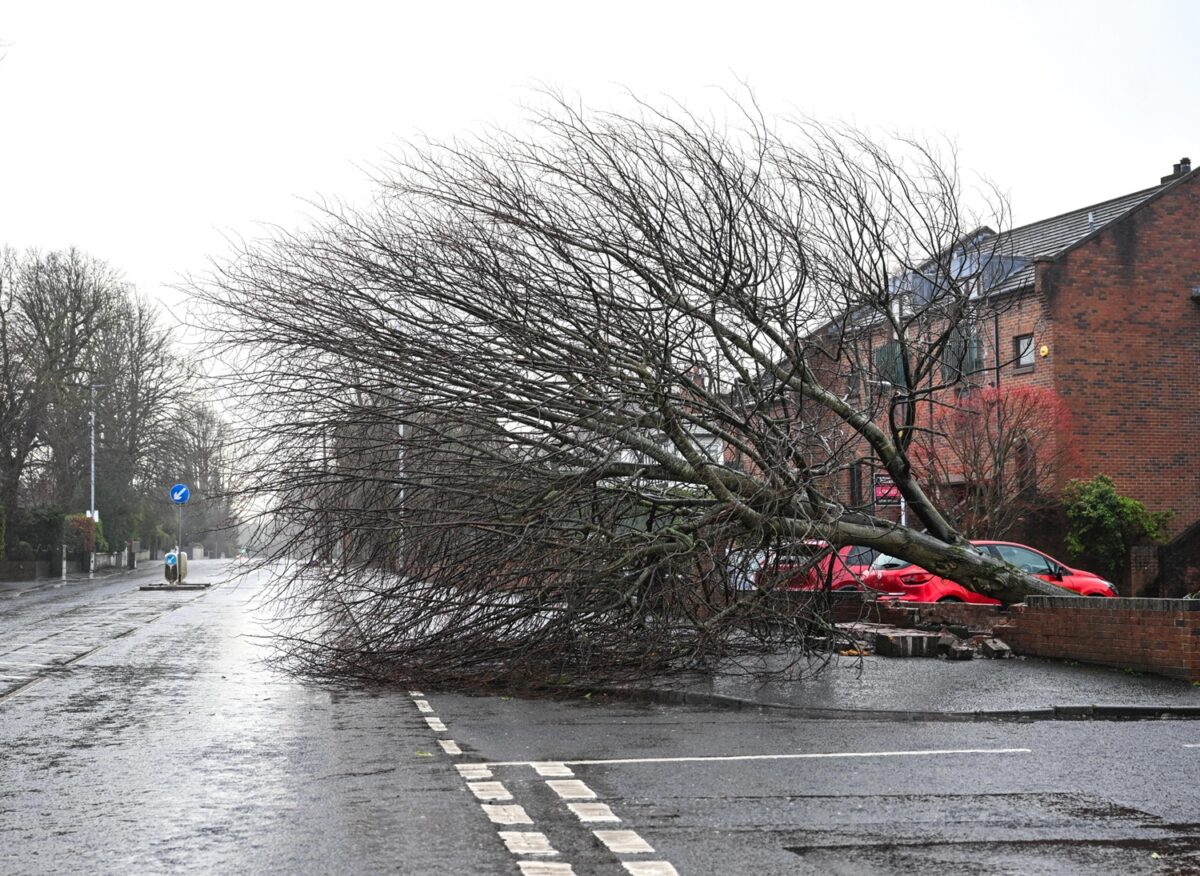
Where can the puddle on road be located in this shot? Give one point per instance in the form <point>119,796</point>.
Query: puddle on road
<point>1001,834</point>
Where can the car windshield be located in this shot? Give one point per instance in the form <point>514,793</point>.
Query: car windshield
<point>883,561</point>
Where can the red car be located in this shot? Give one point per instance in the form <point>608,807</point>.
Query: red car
<point>906,582</point>
<point>796,567</point>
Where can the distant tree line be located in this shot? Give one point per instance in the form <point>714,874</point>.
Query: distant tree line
<point>75,337</point>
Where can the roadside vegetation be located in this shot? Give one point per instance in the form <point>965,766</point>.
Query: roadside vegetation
<point>77,341</point>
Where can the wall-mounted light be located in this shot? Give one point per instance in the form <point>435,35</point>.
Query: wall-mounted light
<point>1043,351</point>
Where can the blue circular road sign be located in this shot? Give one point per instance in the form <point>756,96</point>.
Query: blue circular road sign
<point>180,494</point>
<point>171,559</point>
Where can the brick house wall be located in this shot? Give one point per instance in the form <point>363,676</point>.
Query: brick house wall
<point>1126,350</point>
<point>1116,335</point>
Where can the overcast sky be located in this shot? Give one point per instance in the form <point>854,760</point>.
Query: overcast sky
<point>144,133</point>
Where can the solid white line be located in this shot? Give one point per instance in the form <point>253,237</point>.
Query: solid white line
<point>1191,745</point>
<point>735,757</point>
<point>572,789</point>
<point>623,842</point>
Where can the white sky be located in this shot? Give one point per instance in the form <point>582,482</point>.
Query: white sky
<point>145,132</point>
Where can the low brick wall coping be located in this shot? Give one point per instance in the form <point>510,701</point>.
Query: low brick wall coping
<point>1118,604</point>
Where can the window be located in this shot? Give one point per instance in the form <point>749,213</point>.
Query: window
<point>889,363</point>
<point>1023,351</point>
<point>854,387</point>
<point>1023,558</point>
<point>963,354</point>
<point>861,556</point>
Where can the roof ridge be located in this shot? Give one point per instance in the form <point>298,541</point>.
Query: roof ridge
<point>1104,203</point>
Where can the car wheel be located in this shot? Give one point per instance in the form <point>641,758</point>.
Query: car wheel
<point>949,599</point>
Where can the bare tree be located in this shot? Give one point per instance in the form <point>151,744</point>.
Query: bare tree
<point>526,371</point>
<point>994,460</point>
<point>74,338</point>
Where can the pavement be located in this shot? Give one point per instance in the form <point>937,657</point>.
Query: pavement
<point>916,688</point>
<point>9,589</point>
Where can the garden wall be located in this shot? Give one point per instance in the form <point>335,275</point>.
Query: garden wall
<point>1161,636</point>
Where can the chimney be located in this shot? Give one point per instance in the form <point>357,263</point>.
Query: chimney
<point>1183,168</point>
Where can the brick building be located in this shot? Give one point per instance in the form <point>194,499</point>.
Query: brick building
<point>1101,307</point>
<point>1109,318</point>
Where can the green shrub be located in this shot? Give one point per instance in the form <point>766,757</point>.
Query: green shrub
<point>41,526</point>
<point>1105,525</point>
<point>22,552</point>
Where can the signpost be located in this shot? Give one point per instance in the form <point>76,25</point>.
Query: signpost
<point>175,563</point>
<point>179,495</point>
<point>887,495</point>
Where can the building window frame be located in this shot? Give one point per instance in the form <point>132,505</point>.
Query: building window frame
<point>1024,353</point>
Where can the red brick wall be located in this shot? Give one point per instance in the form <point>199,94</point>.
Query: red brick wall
<point>1126,351</point>
<point>1160,636</point>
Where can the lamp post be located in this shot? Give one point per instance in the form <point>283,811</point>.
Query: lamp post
<point>92,503</point>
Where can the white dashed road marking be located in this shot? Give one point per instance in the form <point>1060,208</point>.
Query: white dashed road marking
<point>650,868</point>
<point>572,789</point>
<point>545,868</point>
<point>535,843</point>
<point>489,790</point>
<point>623,842</point>
<point>507,814</point>
<point>527,842</point>
<point>592,811</point>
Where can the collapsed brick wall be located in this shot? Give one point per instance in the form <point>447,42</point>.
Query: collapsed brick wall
<point>1157,636</point>
<point>1160,636</point>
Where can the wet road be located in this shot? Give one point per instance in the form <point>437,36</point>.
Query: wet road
<point>141,734</point>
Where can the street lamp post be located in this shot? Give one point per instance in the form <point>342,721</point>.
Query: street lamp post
<point>92,504</point>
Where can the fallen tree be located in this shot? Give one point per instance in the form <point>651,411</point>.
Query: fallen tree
<point>510,421</point>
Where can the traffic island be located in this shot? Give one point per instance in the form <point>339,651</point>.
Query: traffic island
<point>189,585</point>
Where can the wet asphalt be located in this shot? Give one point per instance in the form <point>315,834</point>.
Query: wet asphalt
<point>142,733</point>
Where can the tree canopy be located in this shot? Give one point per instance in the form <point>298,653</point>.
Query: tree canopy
<point>514,418</point>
